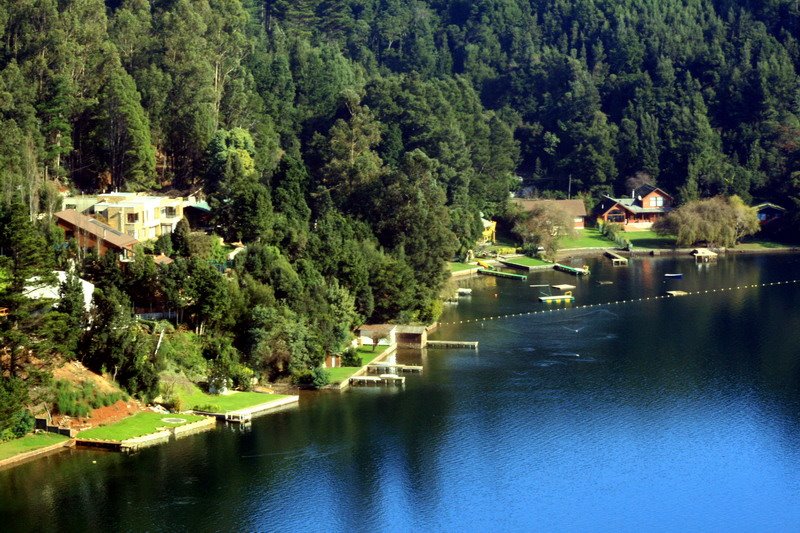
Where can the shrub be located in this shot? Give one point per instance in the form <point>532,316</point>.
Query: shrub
<point>316,378</point>
<point>79,401</point>
<point>350,357</point>
<point>320,377</point>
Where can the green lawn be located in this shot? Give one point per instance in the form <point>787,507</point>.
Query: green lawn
<point>135,426</point>
<point>649,239</point>
<point>757,244</point>
<point>233,401</point>
<point>29,443</point>
<point>458,267</point>
<point>338,375</point>
<point>586,238</point>
<point>528,261</point>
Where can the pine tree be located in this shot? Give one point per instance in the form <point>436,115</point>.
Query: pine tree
<point>25,253</point>
<point>123,130</point>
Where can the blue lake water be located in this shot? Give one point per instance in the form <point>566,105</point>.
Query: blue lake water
<point>667,415</point>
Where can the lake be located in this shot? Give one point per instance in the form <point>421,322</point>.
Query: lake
<point>667,415</point>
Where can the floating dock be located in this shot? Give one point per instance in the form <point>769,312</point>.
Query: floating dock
<point>677,293</point>
<point>616,259</point>
<point>472,345</point>
<point>500,274</point>
<point>557,299</point>
<point>572,270</point>
<point>563,287</point>
<point>383,379</point>
<point>530,268</point>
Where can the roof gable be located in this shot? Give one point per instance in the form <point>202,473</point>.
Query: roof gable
<point>573,208</point>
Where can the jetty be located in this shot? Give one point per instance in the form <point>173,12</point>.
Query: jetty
<point>499,274</point>
<point>582,271</point>
<point>616,259</point>
<point>472,345</point>
<point>383,379</point>
<point>245,415</point>
<point>393,368</point>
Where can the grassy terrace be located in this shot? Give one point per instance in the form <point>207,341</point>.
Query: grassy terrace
<point>29,443</point>
<point>135,426</point>
<point>760,245</point>
<point>458,267</point>
<point>528,261</point>
<point>338,375</point>
<point>586,238</point>
<point>233,401</point>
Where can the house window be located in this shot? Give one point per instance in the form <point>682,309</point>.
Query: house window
<point>133,218</point>
<point>657,201</point>
<point>168,212</point>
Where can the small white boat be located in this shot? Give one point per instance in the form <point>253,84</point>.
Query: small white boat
<point>463,291</point>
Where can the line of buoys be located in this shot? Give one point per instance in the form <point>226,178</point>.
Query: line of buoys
<point>618,302</point>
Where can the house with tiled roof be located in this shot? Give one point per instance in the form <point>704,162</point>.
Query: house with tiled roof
<point>645,205</point>
<point>769,212</point>
<point>89,233</point>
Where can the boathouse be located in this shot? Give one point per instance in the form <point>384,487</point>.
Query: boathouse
<point>412,336</point>
<point>704,255</point>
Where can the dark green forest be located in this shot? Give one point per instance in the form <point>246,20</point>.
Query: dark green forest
<point>354,144</point>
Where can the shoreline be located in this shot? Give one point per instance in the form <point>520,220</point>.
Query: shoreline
<point>655,252</point>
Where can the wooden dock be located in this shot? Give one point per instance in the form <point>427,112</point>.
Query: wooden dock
<point>473,345</point>
<point>383,379</point>
<point>616,259</point>
<point>572,270</point>
<point>499,274</point>
<point>393,368</point>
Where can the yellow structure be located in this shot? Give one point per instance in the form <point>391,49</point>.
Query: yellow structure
<point>140,216</point>
<point>489,230</point>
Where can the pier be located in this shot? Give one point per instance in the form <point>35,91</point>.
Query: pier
<point>245,415</point>
<point>383,379</point>
<point>499,274</point>
<point>393,368</point>
<point>616,259</point>
<point>473,345</point>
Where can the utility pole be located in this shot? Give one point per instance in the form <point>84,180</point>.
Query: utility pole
<point>569,188</point>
